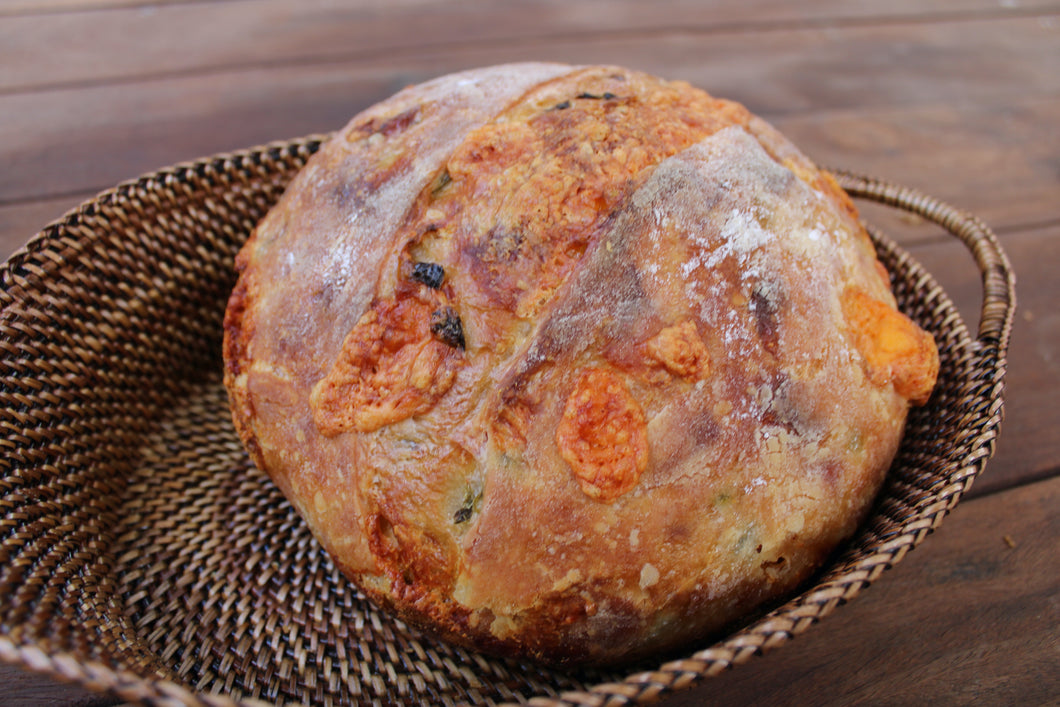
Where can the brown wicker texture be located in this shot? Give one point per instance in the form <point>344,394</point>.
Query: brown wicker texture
<point>143,556</point>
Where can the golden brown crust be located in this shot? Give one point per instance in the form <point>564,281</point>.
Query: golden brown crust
<point>564,362</point>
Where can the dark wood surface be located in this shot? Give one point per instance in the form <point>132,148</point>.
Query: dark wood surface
<point>960,98</point>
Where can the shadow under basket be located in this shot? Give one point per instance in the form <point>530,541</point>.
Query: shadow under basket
<point>143,556</point>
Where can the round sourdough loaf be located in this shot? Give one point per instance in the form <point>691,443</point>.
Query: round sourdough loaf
<point>569,363</point>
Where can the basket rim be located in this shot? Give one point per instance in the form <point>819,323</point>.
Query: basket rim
<point>18,276</point>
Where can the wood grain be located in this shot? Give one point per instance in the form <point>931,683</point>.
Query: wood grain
<point>1002,162</point>
<point>21,220</point>
<point>182,38</point>
<point>46,7</point>
<point>959,98</point>
<point>843,120</point>
<point>25,689</point>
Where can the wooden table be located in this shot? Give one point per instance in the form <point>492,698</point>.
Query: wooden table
<point>960,98</point>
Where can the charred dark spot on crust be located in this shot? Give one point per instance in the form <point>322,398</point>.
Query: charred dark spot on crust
<point>832,471</point>
<point>447,328</point>
<point>440,182</point>
<point>430,274</point>
<point>467,508</point>
<point>606,96</point>
<point>350,195</point>
<point>492,262</point>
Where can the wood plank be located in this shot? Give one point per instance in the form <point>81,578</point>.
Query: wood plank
<point>1000,162</point>
<point>63,49</point>
<point>19,222</point>
<point>969,617</point>
<point>125,129</point>
<point>26,689</point>
<point>42,7</point>
<point>843,8</point>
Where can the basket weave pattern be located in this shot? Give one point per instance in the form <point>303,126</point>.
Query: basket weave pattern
<point>142,554</point>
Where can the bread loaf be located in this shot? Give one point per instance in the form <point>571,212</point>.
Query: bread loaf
<point>569,363</point>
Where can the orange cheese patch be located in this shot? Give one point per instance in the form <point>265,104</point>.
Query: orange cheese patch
<point>681,351</point>
<point>894,348</point>
<point>603,435</point>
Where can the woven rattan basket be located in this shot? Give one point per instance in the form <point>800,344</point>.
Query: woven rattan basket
<point>142,555</point>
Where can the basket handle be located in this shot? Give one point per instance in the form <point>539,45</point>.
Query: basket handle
<point>999,282</point>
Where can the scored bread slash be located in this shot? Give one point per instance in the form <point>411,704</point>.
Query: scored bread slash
<point>570,364</point>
